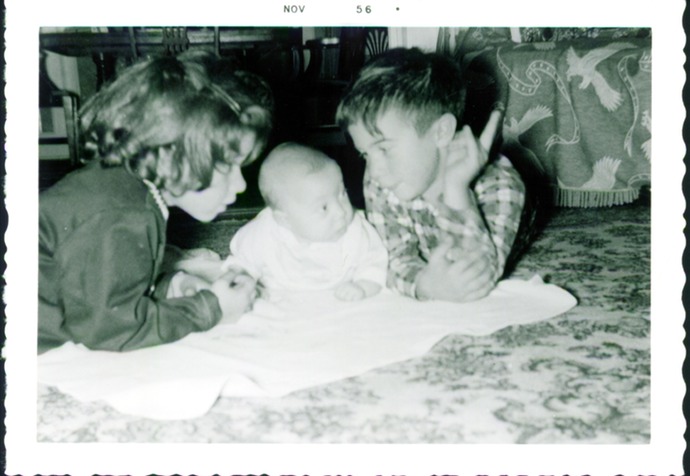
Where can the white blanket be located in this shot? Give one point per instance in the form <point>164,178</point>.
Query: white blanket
<point>285,345</point>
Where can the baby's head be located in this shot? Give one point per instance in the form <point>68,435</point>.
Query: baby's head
<point>305,189</point>
<point>402,111</point>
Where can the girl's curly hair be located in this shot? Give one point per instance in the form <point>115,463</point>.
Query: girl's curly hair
<point>172,120</point>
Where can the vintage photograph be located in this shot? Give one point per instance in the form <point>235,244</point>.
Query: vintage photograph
<point>429,235</point>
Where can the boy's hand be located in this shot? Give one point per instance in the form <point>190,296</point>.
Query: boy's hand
<point>236,293</point>
<point>465,159</point>
<point>449,277</point>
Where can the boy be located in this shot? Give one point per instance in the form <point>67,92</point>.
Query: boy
<point>309,237</point>
<point>447,213</point>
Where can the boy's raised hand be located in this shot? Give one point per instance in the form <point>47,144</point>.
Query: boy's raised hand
<point>448,277</point>
<point>453,273</point>
<point>486,139</point>
<point>466,157</point>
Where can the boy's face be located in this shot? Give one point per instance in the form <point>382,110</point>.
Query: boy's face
<point>316,206</point>
<point>399,158</point>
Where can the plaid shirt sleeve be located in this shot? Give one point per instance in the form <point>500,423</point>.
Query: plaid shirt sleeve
<point>410,237</point>
<point>396,228</point>
<point>500,197</point>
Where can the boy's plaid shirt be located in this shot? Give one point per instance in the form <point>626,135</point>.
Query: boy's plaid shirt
<point>411,230</point>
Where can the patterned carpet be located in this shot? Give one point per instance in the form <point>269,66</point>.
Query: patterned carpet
<point>581,377</point>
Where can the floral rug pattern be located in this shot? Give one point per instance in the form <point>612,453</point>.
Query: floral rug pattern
<point>581,377</point>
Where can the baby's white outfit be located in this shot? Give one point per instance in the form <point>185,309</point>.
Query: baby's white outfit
<point>272,254</point>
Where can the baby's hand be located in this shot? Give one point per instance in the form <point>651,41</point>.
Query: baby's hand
<point>236,293</point>
<point>357,290</point>
<point>349,292</point>
<point>200,253</point>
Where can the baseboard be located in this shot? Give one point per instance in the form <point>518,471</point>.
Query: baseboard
<point>240,213</point>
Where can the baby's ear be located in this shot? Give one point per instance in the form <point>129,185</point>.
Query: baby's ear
<point>444,129</point>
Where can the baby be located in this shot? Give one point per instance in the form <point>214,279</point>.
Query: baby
<point>309,237</point>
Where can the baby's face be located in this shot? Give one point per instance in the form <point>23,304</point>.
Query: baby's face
<point>316,207</point>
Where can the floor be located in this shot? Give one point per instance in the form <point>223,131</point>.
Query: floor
<point>581,377</point>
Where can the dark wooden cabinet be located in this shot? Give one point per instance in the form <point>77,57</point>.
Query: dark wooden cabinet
<point>307,76</point>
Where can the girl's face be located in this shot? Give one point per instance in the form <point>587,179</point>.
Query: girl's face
<point>399,158</point>
<point>227,181</point>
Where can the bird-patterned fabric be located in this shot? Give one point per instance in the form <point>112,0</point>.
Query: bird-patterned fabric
<point>582,109</point>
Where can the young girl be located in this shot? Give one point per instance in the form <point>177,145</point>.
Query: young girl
<point>162,134</point>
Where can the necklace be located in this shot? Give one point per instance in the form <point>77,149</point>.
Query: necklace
<point>158,199</point>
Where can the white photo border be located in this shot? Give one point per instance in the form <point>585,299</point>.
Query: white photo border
<point>663,456</point>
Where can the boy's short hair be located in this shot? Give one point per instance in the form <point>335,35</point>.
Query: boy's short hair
<point>285,162</point>
<point>174,109</point>
<point>421,85</point>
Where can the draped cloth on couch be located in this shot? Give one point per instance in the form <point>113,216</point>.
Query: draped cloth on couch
<point>580,108</point>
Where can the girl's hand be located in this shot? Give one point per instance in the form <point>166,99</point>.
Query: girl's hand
<point>236,293</point>
<point>200,253</point>
<point>185,285</point>
<point>189,285</point>
<point>200,262</point>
